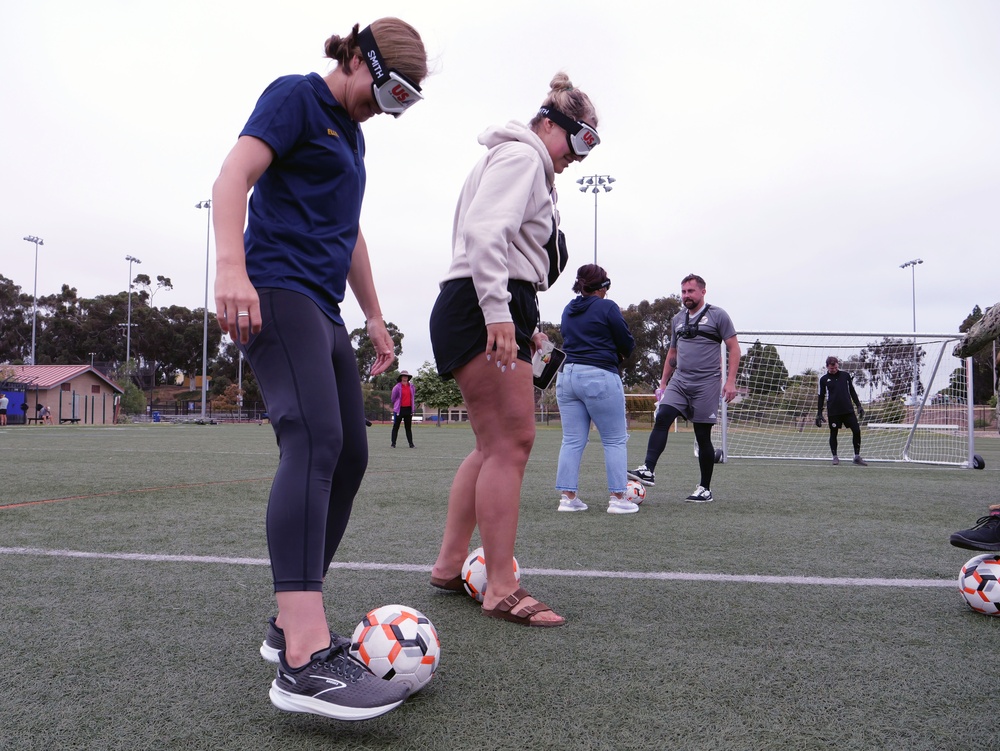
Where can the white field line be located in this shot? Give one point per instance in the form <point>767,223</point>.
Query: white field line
<point>409,567</point>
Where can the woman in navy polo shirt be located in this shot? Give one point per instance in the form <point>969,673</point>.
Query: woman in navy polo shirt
<point>278,291</point>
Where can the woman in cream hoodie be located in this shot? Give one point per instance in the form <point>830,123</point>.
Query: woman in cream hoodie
<point>505,247</point>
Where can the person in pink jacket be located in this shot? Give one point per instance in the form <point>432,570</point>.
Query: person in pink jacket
<point>404,397</point>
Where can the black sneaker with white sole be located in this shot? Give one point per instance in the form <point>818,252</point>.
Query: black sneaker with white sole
<point>984,536</point>
<point>274,642</point>
<point>700,495</point>
<point>334,684</point>
<point>643,475</point>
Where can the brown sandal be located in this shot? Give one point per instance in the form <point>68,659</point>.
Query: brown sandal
<point>504,611</point>
<point>454,584</point>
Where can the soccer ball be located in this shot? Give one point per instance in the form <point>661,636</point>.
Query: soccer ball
<point>474,574</point>
<point>979,583</point>
<point>635,491</point>
<point>399,644</point>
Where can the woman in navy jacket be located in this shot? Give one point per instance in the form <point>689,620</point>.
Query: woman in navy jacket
<point>596,340</point>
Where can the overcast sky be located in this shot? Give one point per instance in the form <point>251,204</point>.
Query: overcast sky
<point>792,152</point>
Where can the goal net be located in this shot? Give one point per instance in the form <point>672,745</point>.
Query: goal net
<point>916,394</point>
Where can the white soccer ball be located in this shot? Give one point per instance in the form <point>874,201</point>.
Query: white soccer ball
<point>979,583</point>
<point>635,491</point>
<point>398,643</point>
<point>474,574</point>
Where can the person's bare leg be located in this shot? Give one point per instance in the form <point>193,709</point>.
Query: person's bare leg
<point>461,520</point>
<point>501,410</point>
<point>303,619</point>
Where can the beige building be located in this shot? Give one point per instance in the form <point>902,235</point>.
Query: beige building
<point>73,393</point>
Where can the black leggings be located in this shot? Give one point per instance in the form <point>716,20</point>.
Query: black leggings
<point>308,376</point>
<point>406,415</point>
<point>665,417</point>
<point>847,421</point>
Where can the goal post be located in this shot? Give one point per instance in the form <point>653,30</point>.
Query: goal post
<point>773,416</point>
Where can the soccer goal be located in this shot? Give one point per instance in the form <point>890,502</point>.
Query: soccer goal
<point>916,394</point>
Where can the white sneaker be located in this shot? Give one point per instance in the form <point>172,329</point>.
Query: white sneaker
<point>571,504</point>
<point>621,506</point>
<point>700,495</point>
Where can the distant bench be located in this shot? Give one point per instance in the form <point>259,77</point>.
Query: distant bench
<point>68,419</point>
<point>909,426</point>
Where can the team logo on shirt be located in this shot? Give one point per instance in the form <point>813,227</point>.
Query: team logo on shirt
<point>332,132</point>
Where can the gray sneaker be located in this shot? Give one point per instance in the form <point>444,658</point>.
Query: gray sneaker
<point>621,506</point>
<point>334,684</point>
<point>274,642</point>
<point>571,504</point>
<point>836,461</point>
<point>859,461</point>
<point>643,475</point>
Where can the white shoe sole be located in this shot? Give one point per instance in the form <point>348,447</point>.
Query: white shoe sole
<point>647,483</point>
<point>613,510</point>
<point>571,509</point>
<point>269,653</point>
<point>289,702</point>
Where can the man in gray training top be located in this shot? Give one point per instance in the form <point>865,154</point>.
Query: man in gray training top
<point>836,388</point>
<point>692,382</point>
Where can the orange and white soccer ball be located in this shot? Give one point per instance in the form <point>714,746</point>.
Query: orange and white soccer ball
<point>635,491</point>
<point>399,644</point>
<point>979,583</point>
<point>474,574</point>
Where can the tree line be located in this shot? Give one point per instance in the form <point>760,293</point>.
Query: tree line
<point>72,329</point>
<point>167,340</point>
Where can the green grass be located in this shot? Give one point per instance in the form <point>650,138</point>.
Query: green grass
<point>161,653</point>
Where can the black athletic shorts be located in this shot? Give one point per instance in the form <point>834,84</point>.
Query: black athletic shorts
<point>458,327</point>
<point>848,420</point>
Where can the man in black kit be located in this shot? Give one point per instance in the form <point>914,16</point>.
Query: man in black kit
<point>840,407</point>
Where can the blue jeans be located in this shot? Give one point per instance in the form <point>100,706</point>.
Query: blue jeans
<point>586,393</point>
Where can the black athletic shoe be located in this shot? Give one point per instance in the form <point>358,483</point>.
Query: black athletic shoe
<point>643,475</point>
<point>274,642</point>
<point>984,536</point>
<point>334,684</point>
<point>700,495</point>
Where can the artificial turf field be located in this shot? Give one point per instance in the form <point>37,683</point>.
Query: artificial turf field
<point>808,607</point>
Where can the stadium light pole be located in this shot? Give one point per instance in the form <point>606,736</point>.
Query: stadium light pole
<point>204,342</point>
<point>912,266</point>
<point>594,183</point>
<point>128,323</point>
<point>996,386</point>
<point>34,295</point>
